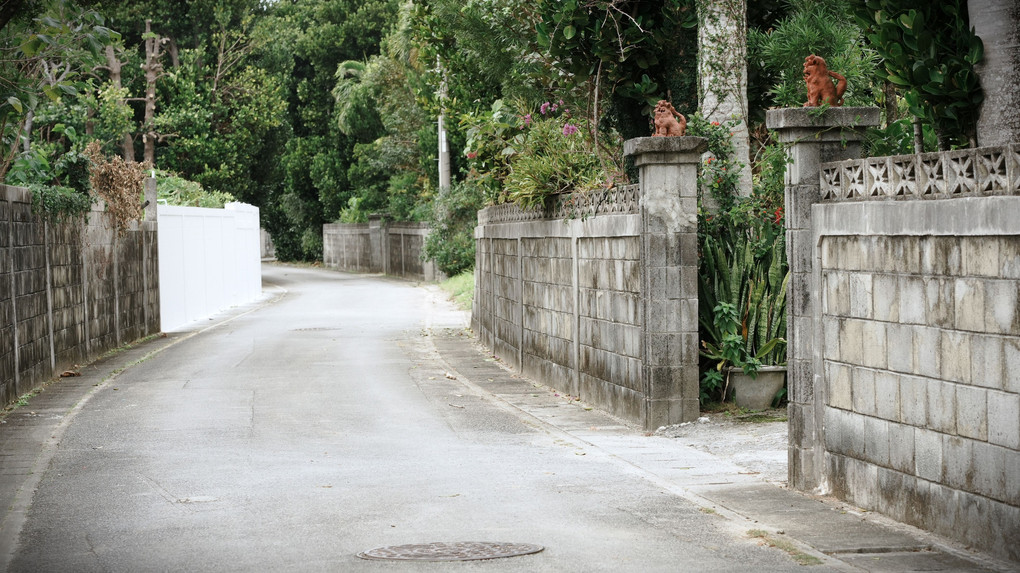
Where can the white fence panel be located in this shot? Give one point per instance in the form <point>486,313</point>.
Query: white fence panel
<point>209,260</point>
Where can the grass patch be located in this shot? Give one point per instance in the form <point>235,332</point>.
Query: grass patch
<point>461,289</point>
<point>799,556</point>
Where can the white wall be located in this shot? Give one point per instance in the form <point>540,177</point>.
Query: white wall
<point>209,260</point>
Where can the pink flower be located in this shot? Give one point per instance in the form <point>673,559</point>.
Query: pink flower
<point>569,129</point>
<point>544,108</point>
<point>527,119</point>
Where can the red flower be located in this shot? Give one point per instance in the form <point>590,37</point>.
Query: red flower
<point>779,215</point>
<point>471,155</point>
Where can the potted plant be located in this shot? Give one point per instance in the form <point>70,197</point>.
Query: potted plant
<point>754,383</point>
<point>743,312</point>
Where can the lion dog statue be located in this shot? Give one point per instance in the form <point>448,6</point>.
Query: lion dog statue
<point>668,121</point>
<point>820,88</point>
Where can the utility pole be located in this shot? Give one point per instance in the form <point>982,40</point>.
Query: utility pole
<point>444,148</point>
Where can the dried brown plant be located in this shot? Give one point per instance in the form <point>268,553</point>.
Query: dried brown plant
<point>118,183</point>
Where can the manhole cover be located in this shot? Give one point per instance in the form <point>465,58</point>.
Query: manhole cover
<point>457,551</point>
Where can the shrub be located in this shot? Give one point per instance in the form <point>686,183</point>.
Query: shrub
<point>451,243</point>
<point>822,27</point>
<point>179,191</point>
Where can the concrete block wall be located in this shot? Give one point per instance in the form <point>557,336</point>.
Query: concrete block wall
<point>597,295</point>
<point>30,293</point>
<point>378,247</point>
<point>561,302</point>
<point>348,246</point>
<point>405,244</point>
<point>921,363</point>
<point>69,292</point>
<point>611,322</point>
<point>505,304</point>
<point>548,328</point>
<point>904,334</point>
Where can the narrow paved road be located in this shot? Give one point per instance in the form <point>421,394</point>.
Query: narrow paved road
<point>321,424</point>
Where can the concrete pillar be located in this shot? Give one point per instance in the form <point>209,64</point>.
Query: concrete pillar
<point>151,195</point>
<point>812,138</point>
<point>668,168</point>
<point>378,237</point>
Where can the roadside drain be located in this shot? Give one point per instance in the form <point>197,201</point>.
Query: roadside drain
<point>456,551</point>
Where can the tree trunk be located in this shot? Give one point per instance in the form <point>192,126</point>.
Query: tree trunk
<point>153,69</point>
<point>722,74</point>
<point>127,143</point>
<point>997,23</point>
<point>892,112</point>
<point>26,132</point>
<point>918,136</point>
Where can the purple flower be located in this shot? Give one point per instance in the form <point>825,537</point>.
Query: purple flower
<point>569,129</point>
<point>544,108</point>
<point>527,119</point>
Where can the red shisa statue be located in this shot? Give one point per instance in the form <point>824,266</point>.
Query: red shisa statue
<point>820,88</point>
<point>666,125</point>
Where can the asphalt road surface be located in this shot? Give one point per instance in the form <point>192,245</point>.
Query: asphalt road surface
<point>319,424</point>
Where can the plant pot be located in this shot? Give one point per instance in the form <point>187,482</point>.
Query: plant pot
<point>756,393</point>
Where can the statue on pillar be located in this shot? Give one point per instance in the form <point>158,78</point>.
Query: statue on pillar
<point>820,88</point>
<point>668,121</point>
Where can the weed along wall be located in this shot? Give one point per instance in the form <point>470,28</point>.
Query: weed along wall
<point>71,291</point>
<point>597,296</point>
<point>392,248</point>
<point>905,333</point>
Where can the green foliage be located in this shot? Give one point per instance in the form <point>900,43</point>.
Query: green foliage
<point>553,155</point>
<point>822,27</point>
<point>453,218</point>
<point>492,139</point>
<point>353,213</point>
<point>623,46</point>
<point>719,174</point>
<point>929,49</point>
<point>218,137</point>
<point>309,41</point>
<point>59,203</point>
<point>897,138</point>
<point>176,190</point>
<point>48,164</point>
<point>43,59</point>
<point>526,158</point>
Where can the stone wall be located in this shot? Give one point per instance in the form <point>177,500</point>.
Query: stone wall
<point>378,247</point>
<point>908,330</point>
<point>597,295</point>
<point>69,292</point>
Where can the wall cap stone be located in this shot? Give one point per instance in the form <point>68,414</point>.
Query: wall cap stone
<point>798,117</point>
<point>686,144</point>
